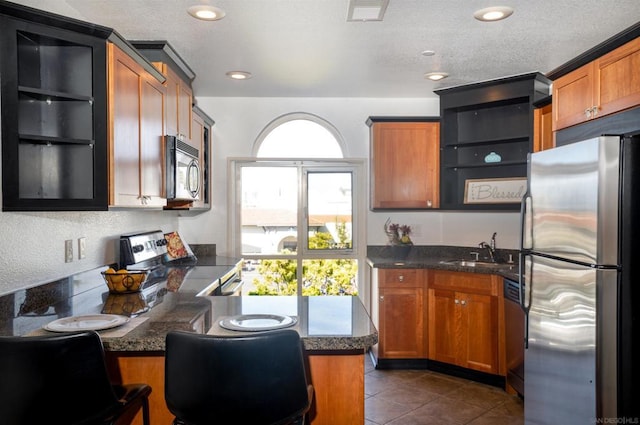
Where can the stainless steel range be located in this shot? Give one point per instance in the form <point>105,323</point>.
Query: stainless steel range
<point>148,250</point>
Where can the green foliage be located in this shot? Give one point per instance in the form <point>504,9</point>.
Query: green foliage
<point>320,277</point>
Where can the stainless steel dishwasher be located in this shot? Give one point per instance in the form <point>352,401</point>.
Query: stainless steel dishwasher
<point>514,326</point>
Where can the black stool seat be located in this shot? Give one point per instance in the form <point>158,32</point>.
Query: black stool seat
<point>62,379</point>
<point>257,379</point>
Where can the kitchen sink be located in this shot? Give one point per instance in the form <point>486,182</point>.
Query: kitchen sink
<point>473,263</point>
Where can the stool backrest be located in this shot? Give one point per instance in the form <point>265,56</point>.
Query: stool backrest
<point>252,379</point>
<point>60,378</point>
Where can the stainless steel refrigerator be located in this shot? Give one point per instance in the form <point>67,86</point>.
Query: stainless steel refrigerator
<point>579,280</point>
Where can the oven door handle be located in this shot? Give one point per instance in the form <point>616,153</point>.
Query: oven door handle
<point>231,287</point>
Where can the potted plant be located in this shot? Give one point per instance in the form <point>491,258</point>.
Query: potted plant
<point>399,238</point>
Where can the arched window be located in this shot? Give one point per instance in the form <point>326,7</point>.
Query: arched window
<point>299,135</point>
<point>295,210</point>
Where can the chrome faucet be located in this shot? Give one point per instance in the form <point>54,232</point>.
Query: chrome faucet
<point>491,247</point>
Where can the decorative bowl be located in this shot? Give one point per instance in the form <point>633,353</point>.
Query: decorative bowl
<point>125,282</point>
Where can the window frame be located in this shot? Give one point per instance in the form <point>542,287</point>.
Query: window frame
<point>357,251</point>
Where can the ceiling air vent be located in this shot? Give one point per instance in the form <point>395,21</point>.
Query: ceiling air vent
<point>366,10</point>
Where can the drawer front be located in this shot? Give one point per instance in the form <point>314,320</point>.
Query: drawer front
<point>467,282</point>
<point>398,278</point>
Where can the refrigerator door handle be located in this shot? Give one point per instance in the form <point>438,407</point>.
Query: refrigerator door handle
<point>524,229</point>
<point>525,301</point>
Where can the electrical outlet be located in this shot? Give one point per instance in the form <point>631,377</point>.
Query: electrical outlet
<point>68,251</point>
<point>82,245</point>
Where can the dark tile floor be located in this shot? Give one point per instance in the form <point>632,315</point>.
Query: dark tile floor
<point>420,397</point>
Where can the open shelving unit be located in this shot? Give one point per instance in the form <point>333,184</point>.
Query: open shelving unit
<point>54,153</point>
<point>486,135</point>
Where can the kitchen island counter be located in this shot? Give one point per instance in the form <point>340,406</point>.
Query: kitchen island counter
<point>336,332</point>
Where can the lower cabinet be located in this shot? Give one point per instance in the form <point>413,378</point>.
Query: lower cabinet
<point>399,299</point>
<point>447,316</point>
<point>463,323</point>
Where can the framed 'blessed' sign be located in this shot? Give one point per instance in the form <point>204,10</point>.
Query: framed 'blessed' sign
<point>494,191</point>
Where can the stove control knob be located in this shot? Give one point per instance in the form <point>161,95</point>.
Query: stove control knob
<point>161,242</point>
<point>137,248</point>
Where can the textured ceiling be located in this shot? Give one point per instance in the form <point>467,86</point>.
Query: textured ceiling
<point>306,48</point>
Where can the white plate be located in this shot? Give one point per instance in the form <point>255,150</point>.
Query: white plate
<point>91,322</point>
<point>257,322</point>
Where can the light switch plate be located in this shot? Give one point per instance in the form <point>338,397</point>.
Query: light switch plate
<point>68,251</point>
<point>82,245</point>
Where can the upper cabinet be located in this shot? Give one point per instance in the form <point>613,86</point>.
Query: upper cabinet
<point>54,147</point>
<point>404,155</point>
<point>179,101</point>
<point>542,125</point>
<point>136,133</point>
<point>486,133</point>
<point>201,136</point>
<point>601,87</point>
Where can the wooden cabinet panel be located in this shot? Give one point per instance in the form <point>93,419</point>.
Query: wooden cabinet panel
<point>179,104</point>
<point>405,165</point>
<point>401,313</point>
<point>124,106</point>
<point>617,79</point>
<point>136,105</point>
<point>197,137</point>
<point>151,139</point>
<point>337,379</point>
<point>401,326</point>
<point>443,327</point>
<point>542,128</point>
<point>605,86</point>
<point>463,324</point>
<point>572,96</point>
<point>185,103</point>
<point>479,333</point>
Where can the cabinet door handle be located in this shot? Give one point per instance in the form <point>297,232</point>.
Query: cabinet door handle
<point>381,297</point>
<point>401,278</point>
<point>463,302</point>
<point>594,111</point>
<point>457,301</point>
<point>587,113</point>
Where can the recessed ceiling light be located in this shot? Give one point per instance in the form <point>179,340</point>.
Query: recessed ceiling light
<point>436,76</point>
<point>239,75</point>
<point>495,13</point>
<point>428,53</point>
<point>206,12</point>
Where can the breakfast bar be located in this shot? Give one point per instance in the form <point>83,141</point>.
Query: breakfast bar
<point>336,332</point>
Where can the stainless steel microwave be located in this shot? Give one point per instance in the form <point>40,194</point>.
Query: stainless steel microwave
<point>182,170</point>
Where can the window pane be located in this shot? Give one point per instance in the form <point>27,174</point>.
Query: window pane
<point>300,139</point>
<point>269,210</point>
<point>330,277</point>
<point>329,220</point>
<point>270,277</point>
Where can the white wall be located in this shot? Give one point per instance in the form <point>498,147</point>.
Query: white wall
<point>32,246</point>
<point>239,121</point>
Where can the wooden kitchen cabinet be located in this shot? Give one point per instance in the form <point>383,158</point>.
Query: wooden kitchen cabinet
<point>136,133</point>
<point>179,106</point>
<point>463,322</point>
<point>201,137</point>
<point>542,127</point>
<point>400,319</point>
<point>599,88</point>
<point>404,155</point>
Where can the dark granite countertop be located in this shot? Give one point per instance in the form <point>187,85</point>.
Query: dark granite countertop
<point>338,323</point>
<point>439,257</point>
